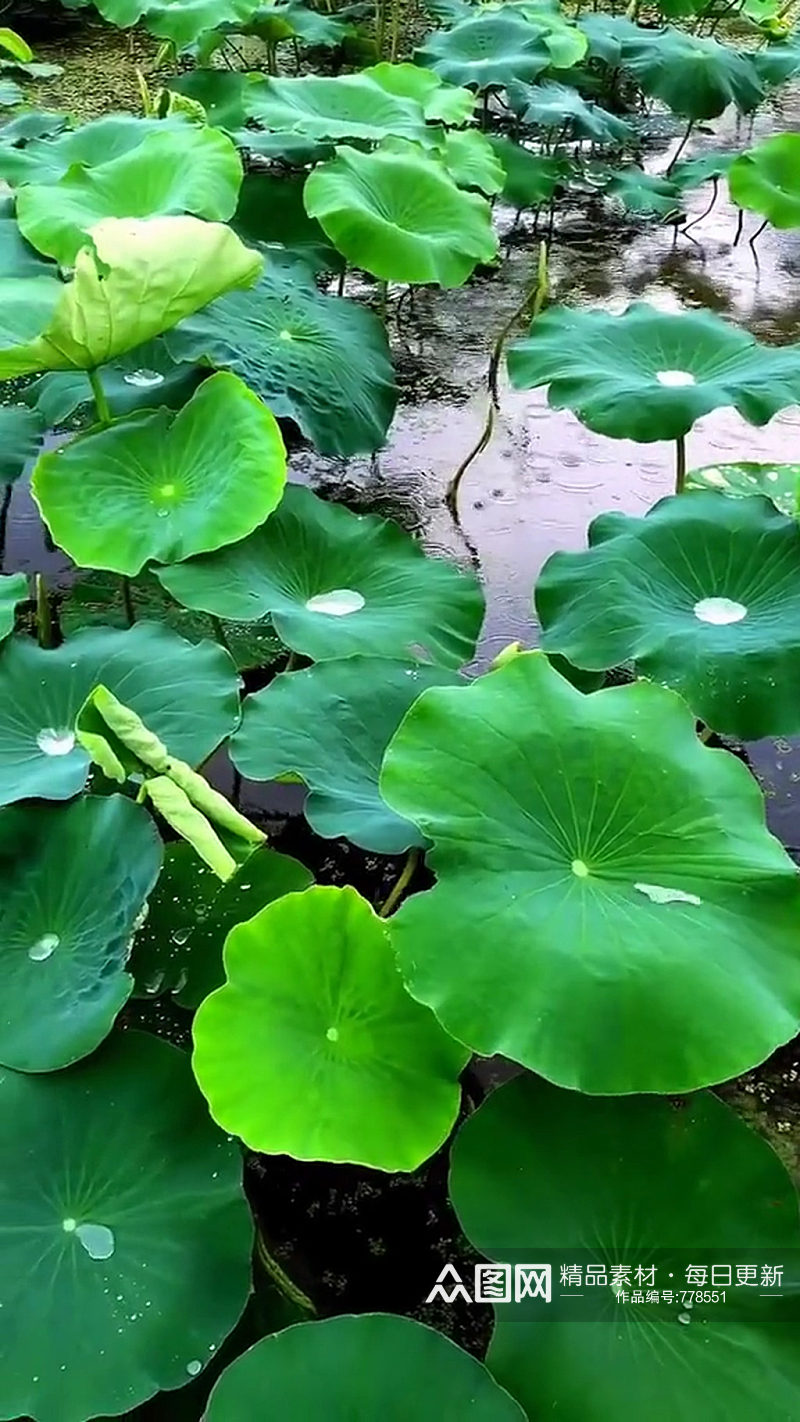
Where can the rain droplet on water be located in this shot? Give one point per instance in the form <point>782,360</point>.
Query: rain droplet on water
<point>44,947</point>
<point>143,379</point>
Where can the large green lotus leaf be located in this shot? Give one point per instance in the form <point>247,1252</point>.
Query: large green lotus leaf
<point>187,694</point>
<point>400,216</point>
<point>21,432</point>
<point>370,1365</point>
<point>646,193</point>
<point>776,63</point>
<point>178,949</point>
<point>471,161</point>
<point>705,167</point>
<point>185,169</point>
<point>566,44</point>
<point>490,49</point>
<point>552,105</point>
<point>602,877</point>
<point>181,21</point>
<point>701,594</point>
<point>125,1212</point>
<point>531,178</point>
<point>137,280</point>
<point>134,381</point>
<point>611,36</point>
<point>73,880</point>
<point>337,583</point>
<point>222,93</point>
<point>766,180</point>
<point>669,1185</point>
<point>13,590</point>
<point>648,374</point>
<point>46,157</point>
<point>313,1048</point>
<point>440,102</point>
<point>271,211</point>
<point>350,106</point>
<point>322,361</point>
<point>779,482</point>
<point>331,724</point>
<point>161,487</point>
<point>696,77</point>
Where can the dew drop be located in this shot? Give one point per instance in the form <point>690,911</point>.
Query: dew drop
<point>579,869</point>
<point>181,936</point>
<point>684,1318</point>
<point>657,894</point>
<point>194,1367</point>
<point>162,513</point>
<point>675,377</point>
<point>52,742</point>
<point>143,378</point>
<point>332,1034</point>
<point>42,949</point>
<point>97,1240</point>
<point>336,603</point>
<point>719,610</point>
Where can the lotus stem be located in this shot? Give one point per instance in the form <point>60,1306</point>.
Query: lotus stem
<point>236,789</point>
<point>395,30</point>
<point>739,226</point>
<point>678,151</point>
<point>380,27</point>
<point>127,600</point>
<point>280,1278</point>
<point>752,242</point>
<point>4,508</point>
<point>44,621</point>
<point>101,404</point>
<point>408,871</point>
<point>704,214</point>
<point>680,464</point>
<point>292,662</point>
<point>384,296</point>
<point>341,281</point>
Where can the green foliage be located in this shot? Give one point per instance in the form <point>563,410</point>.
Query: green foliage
<point>13,590</point>
<point>489,49</point>
<point>620,881</point>
<point>21,433</point>
<point>766,180</point>
<point>778,482</point>
<point>313,1048</point>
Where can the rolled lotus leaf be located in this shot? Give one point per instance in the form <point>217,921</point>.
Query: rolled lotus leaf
<point>648,374</point>
<point>313,1048</point>
<point>672,1185</point>
<point>621,887</point>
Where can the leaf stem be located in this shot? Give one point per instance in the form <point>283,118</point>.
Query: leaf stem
<point>408,871</point>
<point>281,1278</point>
<point>680,464</point>
<point>101,404</point>
<point>44,622</point>
<point>678,151</point>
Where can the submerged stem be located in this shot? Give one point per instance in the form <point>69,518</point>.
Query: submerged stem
<point>101,404</point>
<point>408,871</point>
<point>680,464</point>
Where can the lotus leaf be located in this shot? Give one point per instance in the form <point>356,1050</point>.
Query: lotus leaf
<point>17,257</point>
<point>126,1213</point>
<point>136,280</point>
<point>566,43</point>
<point>699,594</point>
<point>134,381</point>
<point>337,583</point>
<point>173,170</point>
<point>472,162</point>
<point>779,482</point>
<point>490,49</point>
<point>601,877</point>
<point>350,106</point>
<point>320,360</point>
<point>313,1048</point>
<point>152,669</point>
<point>178,949</point>
<point>14,44</point>
<point>45,157</point>
<point>181,21</point>
<point>371,1365</point>
<point>766,180</point>
<point>13,590</point>
<point>695,171</point>
<point>331,724</point>
<point>21,432</point>
<point>695,76</point>
<point>441,103</point>
<point>271,211</point>
<point>73,881</point>
<point>531,178</point>
<point>647,374</point>
<point>161,487</point>
<point>400,216</point>
<point>552,105</point>
<point>611,36</point>
<point>643,192</point>
<point>669,1183</point>
<point>776,63</point>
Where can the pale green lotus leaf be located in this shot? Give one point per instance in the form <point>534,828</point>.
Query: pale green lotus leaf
<point>400,216</point>
<point>766,180</point>
<point>42,154</point>
<point>441,103</point>
<point>158,487</point>
<point>181,21</point>
<point>180,169</point>
<point>369,1365</point>
<point>337,583</point>
<point>602,877</point>
<point>126,1212</point>
<point>137,279</point>
<point>489,49</point>
<point>673,1184</point>
<point>313,1048</point>
<point>73,882</point>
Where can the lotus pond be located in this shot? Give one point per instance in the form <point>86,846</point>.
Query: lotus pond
<point>400,671</point>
